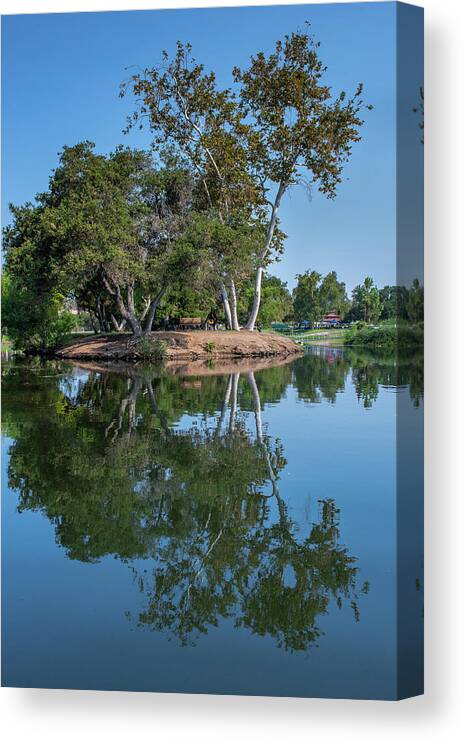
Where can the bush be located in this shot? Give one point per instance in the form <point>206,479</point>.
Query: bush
<point>34,325</point>
<point>150,350</point>
<point>387,336</point>
<point>209,347</point>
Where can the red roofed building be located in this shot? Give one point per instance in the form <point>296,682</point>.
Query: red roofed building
<point>331,319</point>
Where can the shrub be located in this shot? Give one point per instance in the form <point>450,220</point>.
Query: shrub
<point>209,347</point>
<point>34,325</point>
<point>150,350</point>
<point>386,336</point>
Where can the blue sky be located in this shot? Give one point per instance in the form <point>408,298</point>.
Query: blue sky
<point>61,74</point>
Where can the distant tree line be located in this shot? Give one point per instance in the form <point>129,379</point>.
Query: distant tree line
<point>316,295</point>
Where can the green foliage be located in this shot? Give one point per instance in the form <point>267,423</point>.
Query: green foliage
<point>34,325</point>
<point>333,296</point>
<point>394,302</point>
<point>283,122</point>
<point>126,238</point>
<point>106,232</point>
<point>185,109</point>
<point>209,347</point>
<point>366,302</point>
<point>295,120</point>
<point>105,460</point>
<point>276,304</point>
<point>387,337</point>
<point>315,296</point>
<point>415,302</point>
<point>306,297</point>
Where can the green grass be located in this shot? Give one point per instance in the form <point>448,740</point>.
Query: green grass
<point>336,336</point>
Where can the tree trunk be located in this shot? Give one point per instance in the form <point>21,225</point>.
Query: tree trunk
<point>234,321</point>
<point>133,323</point>
<point>250,325</point>
<point>114,321</point>
<point>224,407</point>
<point>93,322</point>
<point>125,312</point>
<point>106,323</point>
<point>262,444</point>
<point>232,414</point>
<point>152,310</point>
<point>99,315</point>
<point>130,292</point>
<point>227,308</point>
<point>148,302</point>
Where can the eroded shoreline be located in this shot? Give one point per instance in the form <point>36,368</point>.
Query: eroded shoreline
<point>184,346</point>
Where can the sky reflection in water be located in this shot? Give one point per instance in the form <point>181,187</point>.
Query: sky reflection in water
<point>228,533</point>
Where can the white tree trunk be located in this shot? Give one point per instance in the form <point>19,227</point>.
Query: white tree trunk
<point>250,324</point>
<point>227,308</point>
<point>234,321</point>
<point>233,413</point>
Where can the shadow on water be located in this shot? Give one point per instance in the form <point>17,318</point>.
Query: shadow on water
<point>179,477</point>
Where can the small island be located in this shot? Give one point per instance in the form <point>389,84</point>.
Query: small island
<point>180,345</point>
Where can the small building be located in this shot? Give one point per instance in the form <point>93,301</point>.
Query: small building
<point>332,319</point>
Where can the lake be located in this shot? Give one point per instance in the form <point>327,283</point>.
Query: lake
<point>211,530</point>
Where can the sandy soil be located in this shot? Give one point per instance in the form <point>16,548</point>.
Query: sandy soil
<point>185,346</point>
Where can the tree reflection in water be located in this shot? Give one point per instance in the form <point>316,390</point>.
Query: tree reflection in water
<point>183,474</point>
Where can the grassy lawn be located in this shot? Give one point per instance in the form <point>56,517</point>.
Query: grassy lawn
<point>325,336</point>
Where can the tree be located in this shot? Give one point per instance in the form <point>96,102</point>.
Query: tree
<point>33,324</point>
<point>202,126</point>
<point>366,303</point>
<point>276,304</point>
<point>120,226</point>
<point>415,302</point>
<point>282,123</point>
<point>306,297</point>
<point>298,128</point>
<point>107,232</point>
<point>227,246</point>
<point>394,301</point>
<point>333,296</point>
<point>201,503</point>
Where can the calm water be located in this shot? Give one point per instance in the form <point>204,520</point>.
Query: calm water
<point>220,533</point>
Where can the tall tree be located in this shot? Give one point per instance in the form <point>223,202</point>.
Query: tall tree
<point>108,232</point>
<point>299,129</point>
<point>201,502</point>
<point>307,298</point>
<point>333,296</point>
<point>203,126</point>
<point>282,126</point>
<point>415,302</point>
<point>366,302</point>
<point>394,301</point>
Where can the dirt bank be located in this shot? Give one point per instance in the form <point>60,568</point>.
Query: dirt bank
<point>184,346</point>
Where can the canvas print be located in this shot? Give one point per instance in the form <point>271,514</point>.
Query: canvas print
<point>212,350</point>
